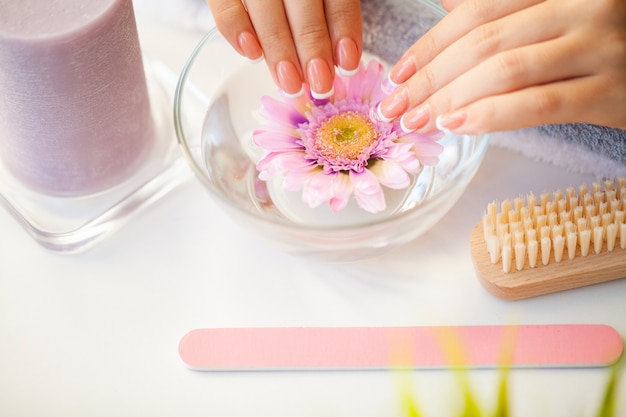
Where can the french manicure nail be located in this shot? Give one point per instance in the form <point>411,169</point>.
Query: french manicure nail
<point>451,121</point>
<point>394,105</point>
<point>415,119</point>
<point>289,79</point>
<point>403,70</point>
<point>250,46</point>
<point>347,57</point>
<point>320,78</point>
<point>293,95</point>
<point>388,86</point>
<point>381,116</point>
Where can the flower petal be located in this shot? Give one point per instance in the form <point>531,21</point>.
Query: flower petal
<point>353,84</point>
<point>278,163</point>
<point>390,174</point>
<point>278,111</point>
<point>296,179</point>
<point>317,190</point>
<point>403,155</point>
<point>340,87</point>
<point>367,191</point>
<point>426,149</point>
<point>296,161</point>
<point>341,192</point>
<point>276,142</point>
<point>269,166</point>
<point>371,82</point>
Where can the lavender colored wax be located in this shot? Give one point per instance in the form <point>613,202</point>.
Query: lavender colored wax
<point>75,114</point>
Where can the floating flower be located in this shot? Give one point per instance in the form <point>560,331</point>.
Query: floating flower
<point>339,147</point>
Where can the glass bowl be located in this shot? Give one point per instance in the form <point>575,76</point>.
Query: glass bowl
<point>216,109</point>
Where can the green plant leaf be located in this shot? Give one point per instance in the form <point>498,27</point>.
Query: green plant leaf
<point>607,408</point>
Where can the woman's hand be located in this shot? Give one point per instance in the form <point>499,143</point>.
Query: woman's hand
<point>301,41</point>
<point>494,65</point>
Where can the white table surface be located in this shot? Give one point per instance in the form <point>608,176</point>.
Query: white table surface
<point>96,334</point>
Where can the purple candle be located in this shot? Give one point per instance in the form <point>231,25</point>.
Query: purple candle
<point>75,114</point>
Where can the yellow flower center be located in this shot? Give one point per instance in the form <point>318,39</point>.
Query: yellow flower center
<point>345,136</point>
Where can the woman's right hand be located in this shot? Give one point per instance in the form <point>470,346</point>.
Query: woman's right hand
<point>493,65</point>
<point>301,41</point>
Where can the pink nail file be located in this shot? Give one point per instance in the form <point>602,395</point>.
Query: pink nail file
<point>348,348</point>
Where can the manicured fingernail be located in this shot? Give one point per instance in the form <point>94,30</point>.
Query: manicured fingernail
<point>347,57</point>
<point>415,119</point>
<point>288,78</point>
<point>403,70</point>
<point>293,95</point>
<point>250,46</point>
<point>394,105</point>
<point>320,78</point>
<point>451,121</point>
<point>389,86</point>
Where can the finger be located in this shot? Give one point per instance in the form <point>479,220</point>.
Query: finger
<point>231,19</point>
<point>433,44</point>
<point>459,22</point>
<point>313,45</point>
<point>560,102</point>
<point>527,27</point>
<point>270,23</point>
<point>343,18</point>
<point>513,70</point>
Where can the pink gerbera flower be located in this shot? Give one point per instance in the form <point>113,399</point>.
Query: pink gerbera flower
<point>338,147</point>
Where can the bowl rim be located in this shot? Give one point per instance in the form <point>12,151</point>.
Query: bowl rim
<point>394,218</point>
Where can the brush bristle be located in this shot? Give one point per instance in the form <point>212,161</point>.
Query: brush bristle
<point>556,227</point>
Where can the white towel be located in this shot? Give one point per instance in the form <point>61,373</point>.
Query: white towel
<point>565,152</point>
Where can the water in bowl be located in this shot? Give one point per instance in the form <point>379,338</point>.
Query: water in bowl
<point>230,157</point>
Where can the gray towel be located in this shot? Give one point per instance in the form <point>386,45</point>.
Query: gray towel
<point>601,139</point>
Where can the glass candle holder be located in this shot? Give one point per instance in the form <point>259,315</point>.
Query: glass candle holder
<point>86,134</point>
